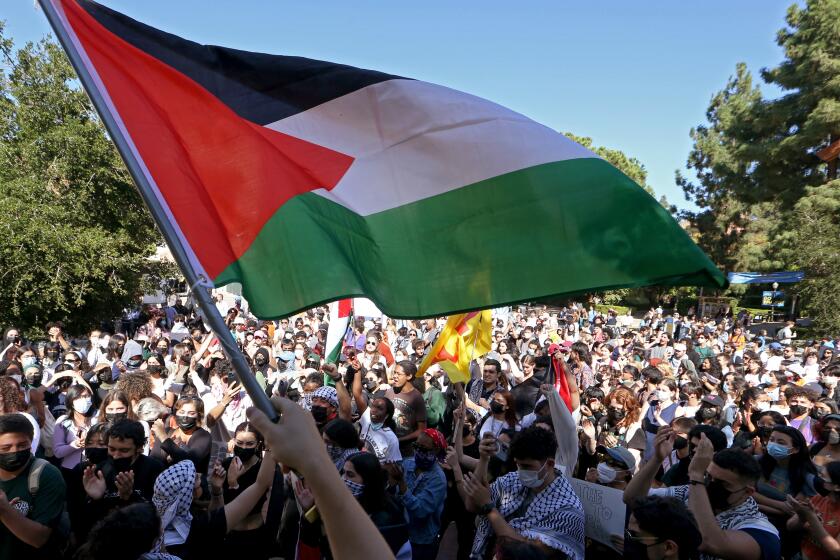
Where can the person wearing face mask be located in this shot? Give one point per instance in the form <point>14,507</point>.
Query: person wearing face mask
<point>366,480</point>
<point>341,440</point>
<point>684,447</point>
<point>226,401</point>
<point>720,496</point>
<point>71,428</point>
<point>660,529</point>
<point>126,476</point>
<point>242,472</point>
<point>132,356</point>
<point>786,470</point>
<point>377,424</point>
<point>661,411</point>
<point>95,455</point>
<point>615,468</point>
<point>827,448</point>
<point>819,518</point>
<point>263,370</point>
<point>419,485</point>
<point>535,502</point>
<point>188,441</point>
<point>801,401</point>
<point>28,517</point>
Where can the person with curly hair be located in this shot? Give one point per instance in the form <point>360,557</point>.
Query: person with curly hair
<point>12,402</point>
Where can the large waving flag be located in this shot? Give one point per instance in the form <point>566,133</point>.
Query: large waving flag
<point>309,181</point>
<point>464,337</point>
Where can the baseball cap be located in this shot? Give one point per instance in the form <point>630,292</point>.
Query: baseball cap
<point>621,455</point>
<point>775,346</point>
<point>713,400</point>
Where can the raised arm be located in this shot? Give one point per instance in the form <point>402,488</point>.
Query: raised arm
<point>345,410</point>
<point>294,441</point>
<point>639,485</point>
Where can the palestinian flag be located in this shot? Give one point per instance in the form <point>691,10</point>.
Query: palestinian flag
<point>310,181</point>
<point>340,313</point>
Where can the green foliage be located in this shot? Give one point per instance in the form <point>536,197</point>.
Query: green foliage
<point>760,188</point>
<point>75,235</point>
<point>630,166</point>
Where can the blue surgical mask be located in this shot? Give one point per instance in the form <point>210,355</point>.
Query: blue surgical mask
<point>777,450</point>
<point>376,425</point>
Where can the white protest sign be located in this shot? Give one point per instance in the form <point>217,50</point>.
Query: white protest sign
<point>604,509</point>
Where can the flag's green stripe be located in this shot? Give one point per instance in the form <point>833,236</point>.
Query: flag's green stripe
<point>559,228</point>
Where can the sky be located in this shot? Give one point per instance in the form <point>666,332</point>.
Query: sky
<point>633,75</point>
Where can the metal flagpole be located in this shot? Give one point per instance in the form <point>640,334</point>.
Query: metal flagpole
<point>199,285</point>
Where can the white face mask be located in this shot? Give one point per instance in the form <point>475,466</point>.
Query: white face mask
<point>82,405</point>
<point>606,474</point>
<point>762,406</point>
<point>663,395</point>
<point>299,354</point>
<point>532,479</point>
<point>29,361</point>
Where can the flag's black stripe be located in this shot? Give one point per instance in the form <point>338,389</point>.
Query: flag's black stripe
<point>262,88</point>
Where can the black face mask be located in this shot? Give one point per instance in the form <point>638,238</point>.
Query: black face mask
<point>133,363</point>
<point>96,455</point>
<point>34,380</point>
<point>635,550</point>
<point>154,369</point>
<point>186,422</point>
<point>52,355</point>
<point>15,460</point>
<point>616,415</point>
<point>121,465</point>
<point>718,495</point>
<point>763,432</point>
<point>680,443</point>
<point>259,360</point>
<point>244,453</point>
<point>466,430</point>
<point>104,376</point>
<point>496,407</point>
<point>797,410</point>
<point>115,416</point>
<point>818,413</point>
<point>319,413</point>
<point>707,412</point>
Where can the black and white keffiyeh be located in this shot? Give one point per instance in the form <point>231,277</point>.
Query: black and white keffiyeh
<point>555,516</point>
<point>172,498</point>
<point>743,516</point>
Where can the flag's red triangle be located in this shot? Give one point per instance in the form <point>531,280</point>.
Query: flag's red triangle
<point>223,177</point>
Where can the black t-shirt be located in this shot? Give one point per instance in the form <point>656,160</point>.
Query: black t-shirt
<point>206,538</point>
<point>146,470</point>
<point>245,480</point>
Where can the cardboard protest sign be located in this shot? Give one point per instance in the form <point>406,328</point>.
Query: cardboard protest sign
<point>604,508</point>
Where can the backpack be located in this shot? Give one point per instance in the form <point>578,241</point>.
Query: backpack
<point>60,537</point>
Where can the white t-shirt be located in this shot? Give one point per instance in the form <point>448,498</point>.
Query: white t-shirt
<point>382,442</point>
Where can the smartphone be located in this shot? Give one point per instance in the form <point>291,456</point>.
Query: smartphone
<point>218,451</point>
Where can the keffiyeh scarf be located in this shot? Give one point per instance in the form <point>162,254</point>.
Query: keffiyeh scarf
<point>172,498</point>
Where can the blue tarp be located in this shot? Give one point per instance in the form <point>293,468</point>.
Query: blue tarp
<point>784,277</point>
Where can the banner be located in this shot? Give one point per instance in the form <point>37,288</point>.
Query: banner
<point>604,508</point>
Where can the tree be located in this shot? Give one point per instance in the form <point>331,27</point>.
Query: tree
<point>76,236</point>
<point>630,166</point>
<point>756,165</point>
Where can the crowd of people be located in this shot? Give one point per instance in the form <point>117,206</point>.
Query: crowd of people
<point>723,443</point>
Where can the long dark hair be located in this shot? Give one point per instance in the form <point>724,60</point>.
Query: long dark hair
<point>389,413</point>
<point>799,464</point>
<point>373,498</point>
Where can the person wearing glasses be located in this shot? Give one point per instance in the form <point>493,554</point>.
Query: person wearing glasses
<point>661,529</point>
<point>719,495</point>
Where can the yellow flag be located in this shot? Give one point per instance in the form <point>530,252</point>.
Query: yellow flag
<point>466,336</point>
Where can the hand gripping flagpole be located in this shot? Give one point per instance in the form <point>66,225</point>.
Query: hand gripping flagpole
<point>199,285</point>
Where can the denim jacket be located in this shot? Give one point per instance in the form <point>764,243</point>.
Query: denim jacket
<point>423,500</point>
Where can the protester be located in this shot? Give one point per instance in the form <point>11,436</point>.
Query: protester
<point>575,394</point>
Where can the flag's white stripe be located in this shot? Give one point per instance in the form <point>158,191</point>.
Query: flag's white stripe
<point>413,140</point>
<point>103,91</point>
<point>335,331</point>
